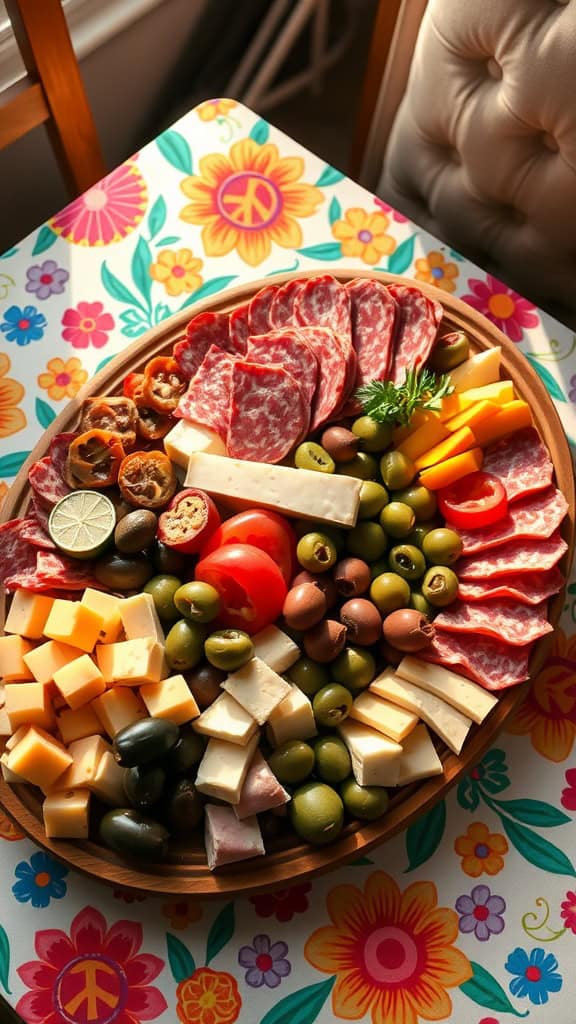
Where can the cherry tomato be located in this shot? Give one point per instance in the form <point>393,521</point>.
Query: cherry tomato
<point>111,412</point>
<point>478,499</point>
<point>265,530</point>
<point>191,517</point>
<point>147,479</point>
<point>163,384</point>
<point>94,459</point>
<point>250,584</point>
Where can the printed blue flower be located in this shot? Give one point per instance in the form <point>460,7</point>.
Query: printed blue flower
<point>535,974</point>
<point>23,325</point>
<point>40,881</point>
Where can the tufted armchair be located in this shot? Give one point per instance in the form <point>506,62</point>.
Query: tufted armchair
<point>474,135</point>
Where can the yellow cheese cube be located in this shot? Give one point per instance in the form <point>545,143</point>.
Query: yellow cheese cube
<point>80,681</point>
<point>73,623</point>
<point>132,662</point>
<point>108,607</point>
<point>108,782</point>
<point>13,650</point>
<point>28,613</point>
<point>66,815</point>
<point>7,775</point>
<point>45,660</point>
<point>140,618</point>
<point>86,755</point>
<point>118,708</point>
<point>75,725</point>
<point>39,758</point>
<point>29,704</point>
<point>171,698</point>
<point>5,726</point>
<point>16,737</point>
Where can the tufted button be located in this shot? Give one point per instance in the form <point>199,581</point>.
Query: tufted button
<point>550,142</point>
<point>493,68</point>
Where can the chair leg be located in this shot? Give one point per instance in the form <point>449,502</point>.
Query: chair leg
<point>319,44</point>
<point>256,48</point>
<point>280,50</point>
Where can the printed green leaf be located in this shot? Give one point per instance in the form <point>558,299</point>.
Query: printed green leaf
<point>12,463</point>
<point>208,288</point>
<point>361,862</point>
<point>45,240</point>
<point>44,413</point>
<point>141,260</point>
<point>483,989</point>
<point>327,251</point>
<point>533,812</point>
<point>329,176</point>
<point>552,386</point>
<point>175,150</point>
<point>4,960</point>
<point>572,588</point>
<point>133,330</point>
<point>116,289</point>
<point>221,932</point>
<point>168,240</point>
<point>301,1007</point>
<point>284,270</point>
<point>456,255</point>
<point>180,958</point>
<point>468,794</point>
<point>260,132</point>
<point>9,252</point>
<point>161,312</point>
<point>537,850</point>
<point>103,363</point>
<point>424,836</point>
<point>401,259</point>
<point>334,211</point>
<point>157,217</point>
<point>133,316</point>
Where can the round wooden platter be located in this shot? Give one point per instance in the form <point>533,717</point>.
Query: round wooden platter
<point>289,860</point>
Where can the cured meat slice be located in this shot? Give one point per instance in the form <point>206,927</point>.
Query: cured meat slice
<point>521,462</point>
<point>282,310</point>
<point>373,315</point>
<point>417,322</point>
<point>207,400</point>
<point>516,556</point>
<point>58,451</point>
<point>535,516</point>
<point>239,330</point>
<point>332,372</point>
<point>528,587</point>
<point>286,349</point>
<point>15,554</point>
<point>46,482</point>
<point>33,533</point>
<point>491,663</point>
<point>324,302</point>
<point>259,310</point>
<point>268,413</point>
<point>204,330</point>
<point>38,512</point>
<point>52,571</point>
<point>515,624</point>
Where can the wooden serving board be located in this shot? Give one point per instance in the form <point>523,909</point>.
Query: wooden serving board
<point>288,859</point>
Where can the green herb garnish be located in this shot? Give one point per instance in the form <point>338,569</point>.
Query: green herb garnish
<point>386,402</point>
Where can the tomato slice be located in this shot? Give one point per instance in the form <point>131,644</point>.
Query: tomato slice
<point>190,518</point>
<point>262,529</point>
<point>476,500</point>
<point>250,584</point>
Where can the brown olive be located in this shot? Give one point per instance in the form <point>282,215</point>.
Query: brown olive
<point>323,581</point>
<point>135,531</point>
<point>324,642</point>
<point>352,577</point>
<point>304,606</point>
<point>408,630</point>
<point>204,683</point>
<point>340,443</point>
<point>362,620</point>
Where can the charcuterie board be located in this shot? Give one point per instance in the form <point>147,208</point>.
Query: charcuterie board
<point>185,870</point>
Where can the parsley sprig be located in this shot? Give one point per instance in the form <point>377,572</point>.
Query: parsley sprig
<point>386,402</point>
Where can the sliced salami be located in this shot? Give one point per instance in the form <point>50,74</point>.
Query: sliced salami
<point>207,400</point>
<point>515,624</point>
<point>47,483</point>
<point>33,533</point>
<point>324,302</point>
<point>38,512</point>
<point>417,322</point>
<point>259,310</point>
<point>15,554</point>
<point>239,329</point>
<point>204,330</point>
<point>536,516</point>
<point>517,556</point>
<point>521,462</point>
<point>527,588</point>
<point>286,349</point>
<point>332,372</point>
<point>490,663</point>
<point>282,310</point>
<point>53,571</point>
<point>373,314</point>
<point>269,413</point>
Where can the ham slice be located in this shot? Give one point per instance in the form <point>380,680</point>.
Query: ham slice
<point>261,790</point>
<point>227,839</point>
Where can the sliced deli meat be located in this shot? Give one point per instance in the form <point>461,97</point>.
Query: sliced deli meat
<point>207,400</point>
<point>282,308</point>
<point>239,329</point>
<point>518,556</point>
<point>373,315</point>
<point>324,302</point>
<point>16,555</point>
<point>47,482</point>
<point>521,462</point>
<point>417,322</point>
<point>49,571</point>
<point>527,587</point>
<point>203,331</point>
<point>34,533</point>
<point>259,310</point>
<point>491,663</point>
<point>269,413</point>
<point>331,389</point>
<point>536,516</point>
<point>515,624</point>
<point>285,348</point>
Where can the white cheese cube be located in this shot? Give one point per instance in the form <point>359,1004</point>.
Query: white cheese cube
<point>418,759</point>
<point>140,618</point>
<point>293,719</point>
<point>227,839</point>
<point>383,716</point>
<point>275,648</point>
<point>480,369</point>
<point>472,700</point>
<point>375,758</point>
<point>227,720</point>
<point>261,790</point>
<point>448,723</point>
<point>66,814</point>
<point>257,688</point>
<point>108,782</point>
<point>223,769</point>
<point>186,438</point>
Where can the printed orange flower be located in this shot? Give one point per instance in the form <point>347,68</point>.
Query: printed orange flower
<point>8,829</point>
<point>212,109</point>
<point>434,270</point>
<point>177,271</point>
<point>62,379</point>
<point>3,492</point>
<point>392,952</point>
<point>548,715</point>
<point>249,199</point>
<point>482,851</point>
<point>12,419</point>
<point>208,997</point>
<point>181,913</point>
<point>363,235</point>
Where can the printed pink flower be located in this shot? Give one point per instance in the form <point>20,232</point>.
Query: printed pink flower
<point>504,307</point>
<point>568,911</point>
<point>107,212</point>
<point>283,903</point>
<point>87,325</point>
<point>386,208</point>
<point>95,974</point>
<point>568,799</point>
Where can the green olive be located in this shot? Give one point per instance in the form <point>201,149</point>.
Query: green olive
<point>389,592</point>
<point>188,751</point>
<point>162,590</point>
<point>144,785</point>
<point>198,601</point>
<point>367,540</point>
<point>374,437</point>
<point>420,604</point>
<point>292,762</point>
<point>420,499</point>
<point>228,649</point>
<point>396,470</point>
<point>310,455</point>
<point>449,351</point>
<point>308,675</point>
<point>355,668</point>
<point>131,834</point>
<point>442,546</point>
<point>331,705</point>
<point>440,586</point>
<point>417,534</point>
<point>184,645</point>
<point>362,466</point>
<point>146,740</point>
<point>408,561</point>
<point>377,568</point>
<point>316,813</point>
<point>316,552</point>
<point>135,531</point>
<point>364,802</point>
<point>168,561</point>
<point>373,497</point>
<point>184,808</point>
<point>397,519</point>
<point>333,762</point>
<point>123,572</point>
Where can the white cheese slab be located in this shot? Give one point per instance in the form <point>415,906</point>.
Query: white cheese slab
<point>223,769</point>
<point>480,369</point>
<point>257,688</point>
<point>275,648</point>
<point>383,716</point>
<point>418,759</point>
<point>375,758</point>
<point>472,700</point>
<point>226,719</point>
<point>293,719</point>
<point>186,438</point>
<point>448,723</point>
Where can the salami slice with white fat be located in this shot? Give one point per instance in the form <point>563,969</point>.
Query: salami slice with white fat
<point>269,413</point>
<point>515,624</point>
<point>527,588</point>
<point>324,302</point>
<point>207,400</point>
<point>259,310</point>
<point>282,308</point>
<point>536,516</point>
<point>53,571</point>
<point>239,329</point>
<point>286,349</point>
<point>517,556</point>
<point>47,482</point>
<point>203,330</point>
<point>16,556</point>
<point>38,512</point>
<point>332,373</point>
<point>417,322</point>
<point>490,663</point>
<point>521,462</point>
<point>33,533</point>
<point>373,315</point>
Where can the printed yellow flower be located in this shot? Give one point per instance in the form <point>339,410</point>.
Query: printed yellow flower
<point>3,492</point>
<point>248,199</point>
<point>212,109</point>
<point>548,715</point>
<point>177,271</point>
<point>434,270</point>
<point>62,379</point>
<point>11,393</point>
<point>481,851</point>
<point>208,997</point>
<point>363,235</point>
<point>392,952</point>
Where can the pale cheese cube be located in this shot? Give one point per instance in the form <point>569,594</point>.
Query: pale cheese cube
<point>228,840</point>
<point>187,438</point>
<point>29,704</point>
<point>7,774</point>
<point>275,648</point>
<point>480,369</point>
<point>257,688</point>
<point>108,608</point>
<point>39,758</point>
<point>383,716</point>
<point>71,622</point>
<point>418,759</point>
<point>79,681</point>
<point>67,814</point>
<point>16,737</point>
<point>223,769</point>
<point>76,725</point>
<point>118,708</point>
<point>13,653</point>
<point>5,727</point>
<point>293,719</point>
<point>108,782</point>
<point>45,660</point>
<point>261,790</point>
<point>140,618</point>
<point>448,723</point>
<point>226,719</point>
<point>375,758</point>
<point>28,614</point>
<point>472,700</point>
<point>86,756</point>
<point>170,698</point>
<point>132,662</point>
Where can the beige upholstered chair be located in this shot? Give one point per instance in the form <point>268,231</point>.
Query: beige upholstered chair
<point>473,133</point>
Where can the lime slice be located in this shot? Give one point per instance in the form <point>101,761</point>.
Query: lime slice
<point>82,523</point>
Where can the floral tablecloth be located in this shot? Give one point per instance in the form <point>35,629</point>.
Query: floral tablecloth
<point>470,916</point>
